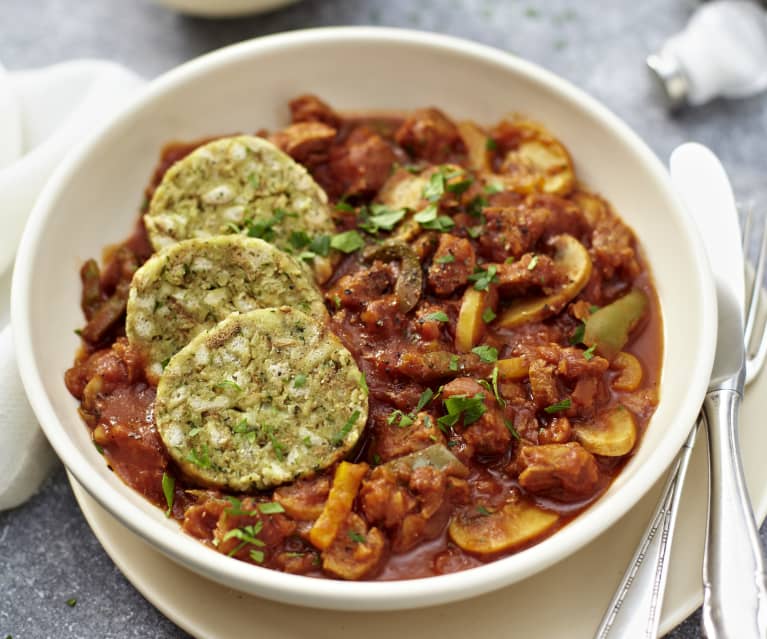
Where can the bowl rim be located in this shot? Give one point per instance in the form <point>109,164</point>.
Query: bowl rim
<point>365,595</point>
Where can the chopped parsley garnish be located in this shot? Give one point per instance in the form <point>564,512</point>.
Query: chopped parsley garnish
<point>320,245</point>
<point>307,441</point>
<point>299,239</point>
<point>483,511</point>
<point>445,259</point>
<point>72,602</point>
<point>491,144</point>
<point>254,181</point>
<point>341,435</point>
<point>533,263</point>
<point>439,316</point>
<point>264,229</point>
<point>511,428</point>
<point>559,406</point>
<point>229,384</point>
<point>380,218</point>
<point>79,332</point>
<point>357,537</point>
<point>488,315</point>
<point>246,535</point>
<point>243,428</point>
<point>199,458</point>
<point>589,352</point>
<point>347,242</point>
<point>404,420</point>
<point>277,447</point>
<point>474,231</point>
<point>257,556</point>
<point>593,308</point>
<point>493,187</point>
<point>165,362</point>
<point>494,379</point>
<point>482,279</point>
<point>424,399</point>
<point>429,218</point>
<point>343,206</point>
<point>577,336</point>
<point>461,186</point>
<point>453,365</point>
<point>435,188</point>
<point>195,431</point>
<point>168,489</point>
<point>376,459</point>
<point>299,381</point>
<point>364,383</point>
<point>427,214</point>
<point>236,508</point>
<point>271,508</point>
<point>486,353</point>
<point>470,408</point>
<point>476,206</point>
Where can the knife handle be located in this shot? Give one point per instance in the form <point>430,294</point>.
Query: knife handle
<point>734,586</point>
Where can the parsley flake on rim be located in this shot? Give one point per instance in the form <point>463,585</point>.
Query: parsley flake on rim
<point>559,406</point>
<point>71,602</point>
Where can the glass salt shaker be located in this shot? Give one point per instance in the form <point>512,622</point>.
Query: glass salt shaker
<point>721,52</point>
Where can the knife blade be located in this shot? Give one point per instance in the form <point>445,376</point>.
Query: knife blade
<point>734,584</point>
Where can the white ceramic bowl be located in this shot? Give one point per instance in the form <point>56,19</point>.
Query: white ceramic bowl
<point>93,199</point>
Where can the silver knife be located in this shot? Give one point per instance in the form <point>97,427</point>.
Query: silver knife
<point>734,584</point>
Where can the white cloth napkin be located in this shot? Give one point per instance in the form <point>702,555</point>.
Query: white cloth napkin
<point>43,115</point>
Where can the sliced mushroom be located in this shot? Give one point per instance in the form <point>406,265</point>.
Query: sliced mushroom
<point>612,435</point>
<point>608,328</point>
<point>539,162</point>
<point>574,260</point>
<point>436,455</point>
<point>515,524</point>
<point>629,372</point>
<point>475,141</point>
<point>409,285</point>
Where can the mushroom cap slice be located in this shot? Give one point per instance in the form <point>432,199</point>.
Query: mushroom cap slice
<point>575,261</point>
<point>515,524</point>
<point>612,435</point>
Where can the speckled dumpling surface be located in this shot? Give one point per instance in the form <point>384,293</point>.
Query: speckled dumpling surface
<point>260,399</point>
<point>192,285</point>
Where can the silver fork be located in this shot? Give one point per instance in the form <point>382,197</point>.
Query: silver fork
<point>635,608</point>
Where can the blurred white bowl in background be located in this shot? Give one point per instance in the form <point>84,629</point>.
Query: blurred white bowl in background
<point>224,8</point>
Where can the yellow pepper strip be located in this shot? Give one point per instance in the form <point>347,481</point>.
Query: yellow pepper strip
<point>346,483</point>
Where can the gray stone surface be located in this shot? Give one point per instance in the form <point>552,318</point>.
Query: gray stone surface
<point>47,552</point>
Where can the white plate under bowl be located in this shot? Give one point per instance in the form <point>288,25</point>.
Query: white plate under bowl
<point>564,602</point>
<point>93,198</point>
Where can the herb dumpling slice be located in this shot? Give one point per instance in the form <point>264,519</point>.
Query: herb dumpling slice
<point>259,400</point>
<point>193,285</point>
<point>242,185</point>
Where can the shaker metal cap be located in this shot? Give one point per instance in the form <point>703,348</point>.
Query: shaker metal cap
<point>671,77</point>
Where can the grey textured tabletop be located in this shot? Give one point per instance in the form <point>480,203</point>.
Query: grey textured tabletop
<point>47,552</point>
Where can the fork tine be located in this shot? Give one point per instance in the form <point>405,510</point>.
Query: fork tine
<point>755,362</point>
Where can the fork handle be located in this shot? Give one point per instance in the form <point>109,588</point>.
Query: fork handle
<point>634,611</point>
<point>734,587</point>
